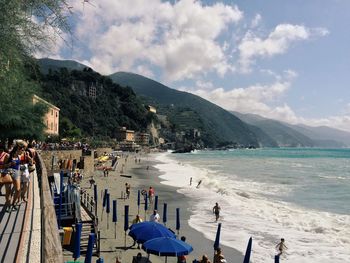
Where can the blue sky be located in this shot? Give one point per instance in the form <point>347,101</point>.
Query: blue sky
<point>287,60</point>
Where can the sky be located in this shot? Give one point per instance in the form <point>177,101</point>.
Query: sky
<point>287,60</point>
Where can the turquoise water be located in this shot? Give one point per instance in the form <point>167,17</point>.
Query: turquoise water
<point>318,178</point>
<point>300,194</point>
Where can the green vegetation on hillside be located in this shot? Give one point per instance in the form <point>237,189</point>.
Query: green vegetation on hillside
<point>92,104</point>
<point>216,125</point>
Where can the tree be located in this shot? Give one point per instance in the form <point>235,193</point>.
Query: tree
<point>23,27</point>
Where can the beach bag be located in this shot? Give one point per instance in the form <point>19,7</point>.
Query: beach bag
<point>5,178</point>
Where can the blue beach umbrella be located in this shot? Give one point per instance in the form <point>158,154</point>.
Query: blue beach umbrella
<point>91,242</point>
<point>114,219</point>
<point>248,251</point>
<point>167,246</point>
<point>217,238</point>
<point>126,222</point>
<point>165,208</point>
<point>177,220</point>
<point>156,202</point>
<point>144,231</point>
<point>76,251</point>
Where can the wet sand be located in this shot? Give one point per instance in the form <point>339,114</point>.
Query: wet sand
<point>143,178</point>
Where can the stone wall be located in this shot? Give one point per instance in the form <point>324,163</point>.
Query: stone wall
<point>48,156</point>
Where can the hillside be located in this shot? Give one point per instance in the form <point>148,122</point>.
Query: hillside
<point>93,103</point>
<point>301,135</point>
<point>188,111</point>
<point>46,64</point>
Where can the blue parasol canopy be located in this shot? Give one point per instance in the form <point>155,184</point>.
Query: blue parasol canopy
<point>144,231</point>
<point>167,246</point>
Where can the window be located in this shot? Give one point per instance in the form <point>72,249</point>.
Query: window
<point>51,112</point>
<point>51,126</point>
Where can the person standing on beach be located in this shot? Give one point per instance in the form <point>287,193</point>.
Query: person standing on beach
<point>216,211</point>
<point>281,247</point>
<point>154,217</point>
<point>151,194</point>
<point>200,181</point>
<point>127,190</point>
<point>191,181</point>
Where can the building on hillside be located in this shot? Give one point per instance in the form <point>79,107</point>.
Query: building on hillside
<point>142,138</point>
<point>125,135</point>
<point>51,118</point>
<point>151,109</point>
<point>128,146</point>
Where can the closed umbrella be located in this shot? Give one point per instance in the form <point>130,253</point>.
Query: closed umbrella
<point>144,231</point>
<point>165,206</point>
<point>248,251</point>
<point>76,251</point>
<point>108,208</point>
<point>146,205</point>
<point>126,221</point>
<point>91,242</point>
<point>115,216</point>
<point>104,200</point>
<point>95,198</point>
<point>277,259</point>
<point>177,220</point>
<point>217,238</point>
<point>138,201</point>
<point>156,202</point>
<point>167,246</point>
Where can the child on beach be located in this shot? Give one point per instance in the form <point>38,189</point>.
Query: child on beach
<point>281,247</point>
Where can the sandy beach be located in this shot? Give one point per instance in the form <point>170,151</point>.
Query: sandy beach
<point>142,178</point>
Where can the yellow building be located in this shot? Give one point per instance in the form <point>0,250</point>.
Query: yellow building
<point>51,118</point>
<point>125,135</point>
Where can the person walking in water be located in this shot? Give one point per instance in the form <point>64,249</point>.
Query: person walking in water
<point>216,211</point>
<point>281,247</point>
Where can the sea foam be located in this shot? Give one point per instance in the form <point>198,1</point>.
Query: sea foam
<point>311,235</point>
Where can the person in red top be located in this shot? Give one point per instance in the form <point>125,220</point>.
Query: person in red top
<point>3,159</point>
<point>151,194</point>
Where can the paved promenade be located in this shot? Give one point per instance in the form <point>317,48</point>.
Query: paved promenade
<point>20,230</point>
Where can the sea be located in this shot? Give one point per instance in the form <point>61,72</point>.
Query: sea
<point>299,194</point>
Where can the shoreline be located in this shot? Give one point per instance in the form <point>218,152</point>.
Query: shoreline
<point>143,178</point>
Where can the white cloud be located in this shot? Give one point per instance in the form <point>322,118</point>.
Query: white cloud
<point>256,21</point>
<point>179,38</point>
<point>277,42</point>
